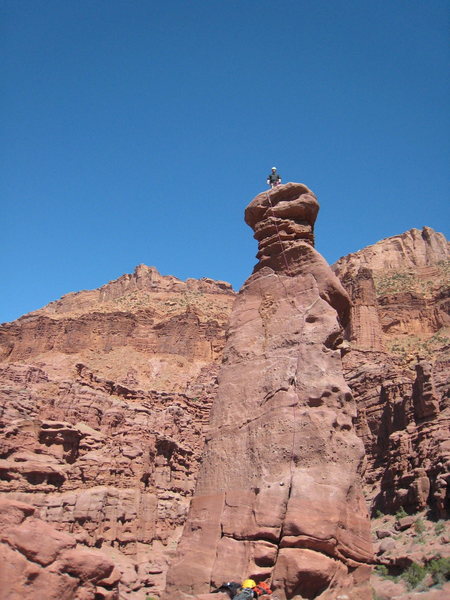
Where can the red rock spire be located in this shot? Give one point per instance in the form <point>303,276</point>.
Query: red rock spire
<point>278,495</point>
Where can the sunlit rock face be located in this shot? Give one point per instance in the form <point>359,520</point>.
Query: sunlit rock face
<point>38,561</point>
<point>279,494</point>
<point>398,367</point>
<point>103,398</point>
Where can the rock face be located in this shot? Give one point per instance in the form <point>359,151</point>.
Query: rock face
<point>37,561</point>
<point>402,284</point>
<point>398,367</point>
<point>415,249</point>
<point>142,330</point>
<point>279,493</point>
<point>103,398</point>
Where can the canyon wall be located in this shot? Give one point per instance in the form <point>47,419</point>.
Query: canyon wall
<point>398,367</point>
<point>103,398</point>
<point>39,562</point>
<point>279,493</point>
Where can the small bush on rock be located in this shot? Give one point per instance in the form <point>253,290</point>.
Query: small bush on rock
<point>439,527</point>
<point>401,513</point>
<point>383,572</point>
<point>439,569</point>
<point>414,575</point>
<point>419,526</point>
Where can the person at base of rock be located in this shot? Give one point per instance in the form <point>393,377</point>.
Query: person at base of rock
<point>251,589</point>
<point>231,588</point>
<point>248,589</point>
<point>274,178</point>
<point>262,589</point>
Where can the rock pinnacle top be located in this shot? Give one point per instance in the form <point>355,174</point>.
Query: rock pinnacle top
<point>283,221</point>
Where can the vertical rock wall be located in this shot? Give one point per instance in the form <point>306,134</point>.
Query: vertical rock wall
<point>103,397</point>
<point>278,495</point>
<point>400,322</point>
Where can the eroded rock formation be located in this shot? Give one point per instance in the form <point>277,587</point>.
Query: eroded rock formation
<point>37,561</point>
<point>103,398</point>
<point>142,330</point>
<point>279,491</point>
<point>398,367</point>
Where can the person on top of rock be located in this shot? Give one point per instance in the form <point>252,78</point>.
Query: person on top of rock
<point>274,178</point>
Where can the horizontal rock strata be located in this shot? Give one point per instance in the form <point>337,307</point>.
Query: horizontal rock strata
<point>398,367</point>
<point>38,561</point>
<point>103,399</point>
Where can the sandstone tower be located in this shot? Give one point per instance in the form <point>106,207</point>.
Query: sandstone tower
<point>278,495</point>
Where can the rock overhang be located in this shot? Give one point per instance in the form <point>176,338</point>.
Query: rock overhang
<point>291,201</point>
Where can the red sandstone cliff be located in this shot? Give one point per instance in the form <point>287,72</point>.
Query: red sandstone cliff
<point>279,494</point>
<point>38,562</point>
<point>105,396</point>
<point>398,367</point>
<point>103,399</point>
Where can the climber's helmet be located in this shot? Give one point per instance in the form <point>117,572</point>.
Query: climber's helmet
<point>248,583</point>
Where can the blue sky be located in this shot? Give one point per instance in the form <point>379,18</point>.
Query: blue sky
<point>136,131</point>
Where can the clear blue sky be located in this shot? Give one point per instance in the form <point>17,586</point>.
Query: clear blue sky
<point>136,131</point>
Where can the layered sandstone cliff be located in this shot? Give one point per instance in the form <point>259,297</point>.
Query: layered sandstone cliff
<point>142,330</point>
<point>398,367</point>
<point>38,562</point>
<point>103,399</point>
<point>279,490</point>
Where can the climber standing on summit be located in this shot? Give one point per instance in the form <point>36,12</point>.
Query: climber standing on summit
<point>273,179</point>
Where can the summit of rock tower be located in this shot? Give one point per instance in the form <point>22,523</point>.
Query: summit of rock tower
<point>283,223</point>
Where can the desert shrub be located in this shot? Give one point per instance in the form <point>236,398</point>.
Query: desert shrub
<point>420,539</point>
<point>401,513</point>
<point>383,572</point>
<point>419,526</point>
<point>439,568</point>
<point>413,575</point>
<point>400,281</point>
<point>439,527</point>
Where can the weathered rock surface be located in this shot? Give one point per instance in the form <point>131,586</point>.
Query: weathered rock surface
<point>105,395</point>
<point>37,561</point>
<point>143,330</point>
<point>279,493</point>
<point>409,553</point>
<point>398,367</point>
<point>400,291</point>
<point>415,249</point>
<point>103,398</point>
